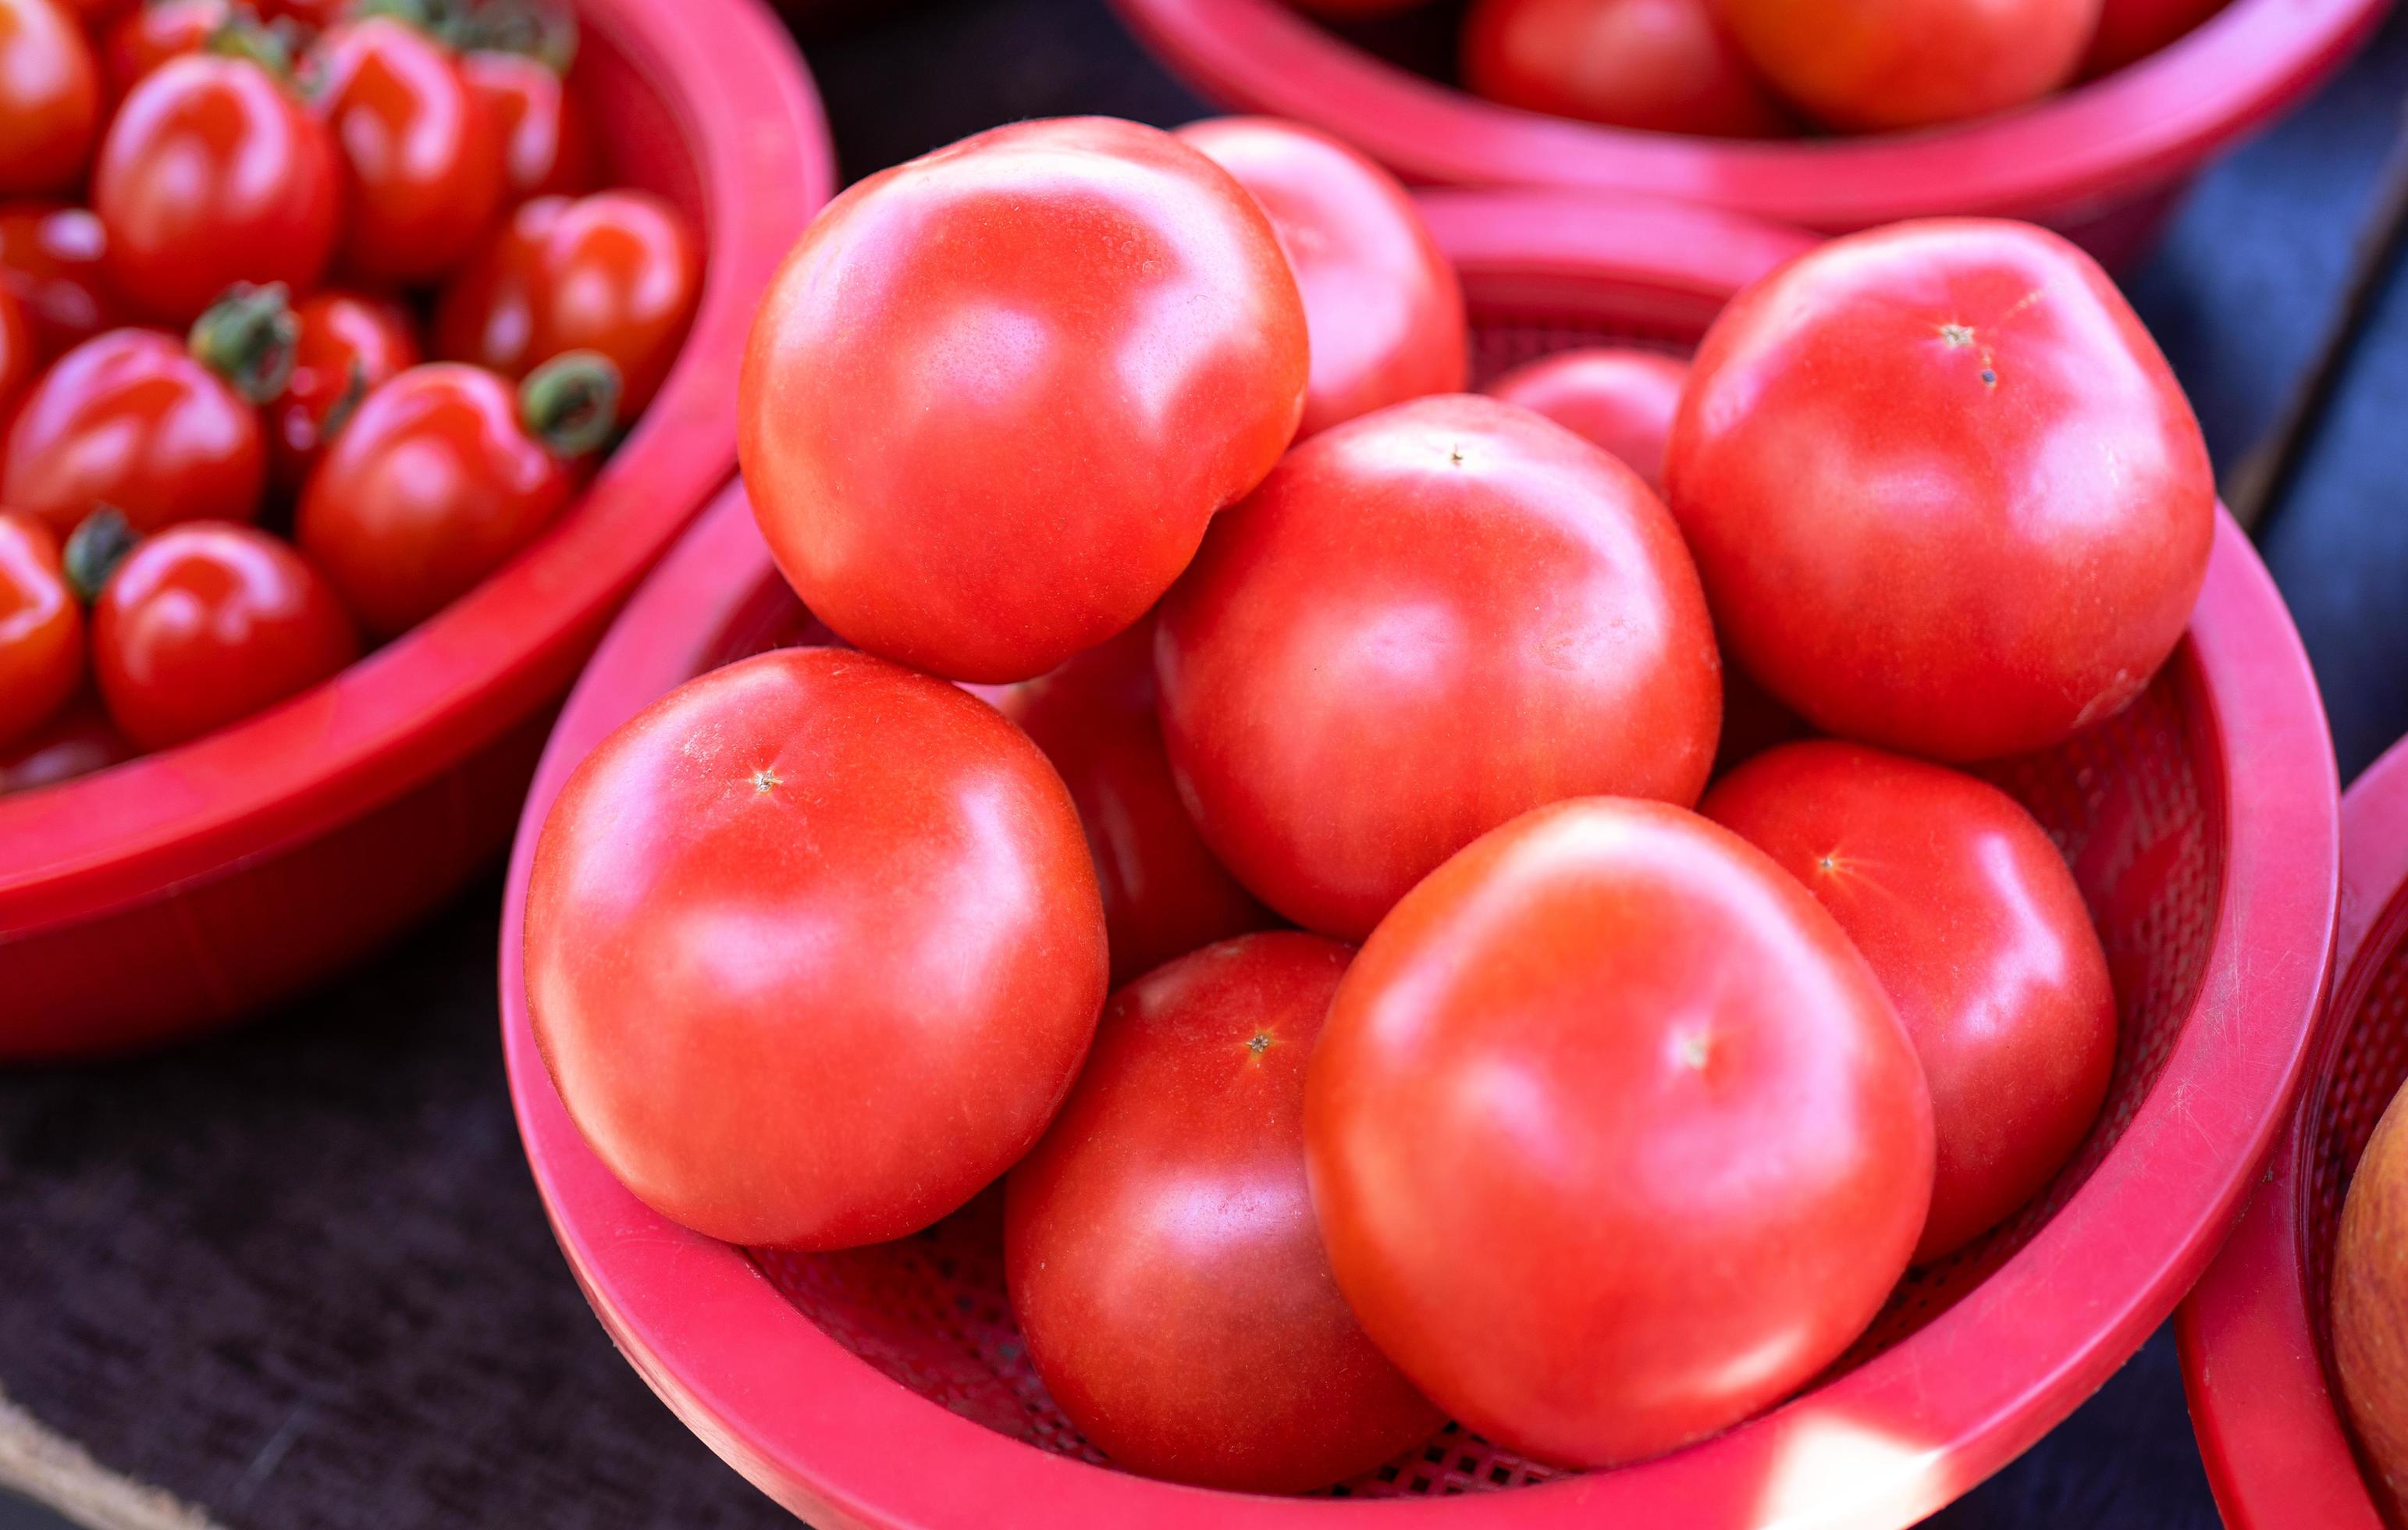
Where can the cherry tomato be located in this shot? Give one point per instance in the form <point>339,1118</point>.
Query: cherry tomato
<point>1621,400</point>
<point>135,420</point>
<point>422,153</point>
<point>346,345</point>
<point>1164,893</point>
<point>1613,1135</point>
<point>1382,306</point>
<point>19,357</point>
<point>1877,66</point>
<point>49,97</point>
<point>1426,622</point>
<point>206,623</point>
<point>150,34</point>
<point>1945,493</point>
<point>994,395</point>
<point>813,949</point>
<point>440,477</point>
<point>78,740</point>
<point>41,627</point>
<point>50,259</point>
<point>213,174</point>
<point>547,146</point>
<point>1159,1243</point>
<point>1665,65</point>
<point>1967,914</point>
<point>2131,30</point>
<point>617,273</point>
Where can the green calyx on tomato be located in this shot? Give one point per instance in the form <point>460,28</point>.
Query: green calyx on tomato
<point>272,46</point>
<point>546,34</point>
<point>571,403</point>
<point>92,552</point>
<point>249,337</point>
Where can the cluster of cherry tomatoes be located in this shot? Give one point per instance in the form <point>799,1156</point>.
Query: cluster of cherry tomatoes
<point>1771,68</point>
<point>1248,798</point>
<point>229,241</point>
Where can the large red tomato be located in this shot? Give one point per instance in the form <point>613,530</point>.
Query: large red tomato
<point>1426,622</point>
<point>421,151</point>
<point>51,260</point>
<point>813,949</point>
<point>1666,65</point>
<point>41,627</point>
<point>995,394</point>
<point>49,97</point>
<point>1160,1247</point>
<point>1944,492</point>
<point>1622,399</point>
<point>1967,914</point>
<point>1164,893</point>
<point>1381,306</point>
<point>1613,1135</point>
<point>213,173</point>
<point>2131,30</point>
<point>1874,65</point>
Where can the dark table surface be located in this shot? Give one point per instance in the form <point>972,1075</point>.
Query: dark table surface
<point>298,1277</point>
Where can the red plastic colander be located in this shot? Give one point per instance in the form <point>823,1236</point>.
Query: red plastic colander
<point>2255,1337</point>
<point>190,886</point>
<point>2102,161</point>
<point>887,1386</point>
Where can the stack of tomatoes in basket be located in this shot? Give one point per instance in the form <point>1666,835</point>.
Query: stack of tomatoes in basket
<point>1201,639</point>
<point>228,239</point>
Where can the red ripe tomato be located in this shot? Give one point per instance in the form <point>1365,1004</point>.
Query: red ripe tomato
<point>1159,1243</point>
<point>994,395</point>
<point>1664,65</point>
<point>422,153</point>
<point>135,420</point>
<point>813,949</point>
<point>1425,622</point>
<point>1968,916</point>
<point>1621,400</point>
<point>1164,893</point>
<point>150,34</point>
<point>213,174</point>
<point>1877,66</point>
<point>1382,306</point>
<point>41,627</point>
<point>1614,1138</point>
<point>547,147</point>
<point>617,273</point>
<point>441,476</point>
<point>49,97</point>
<point>346,345</point>
<point>1944,492</point>
<point>50,259</point>
<point>78,740</point>
<point>206,623</point>
<point>2131,30</point>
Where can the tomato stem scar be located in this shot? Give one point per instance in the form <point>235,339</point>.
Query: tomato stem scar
<point>765,778</point>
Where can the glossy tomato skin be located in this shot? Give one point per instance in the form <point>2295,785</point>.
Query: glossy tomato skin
<point>1164,893</point>
<point>617,273</point>
<point>1662,66</point>
<point>1615,397</point>
<point>49,97</point>
<point>78,740</point>
<point>150,34</point>
<point>1160,1248</point>
<point>1962,907</point>
<point>2130,31</point>
<point>1613,1138</point>
<point>347,345</point>
<point>1945,493</point>
<point>50,261</point>
<point>1426,622</point>
<point>213,173</point>
<point>133,420</point>
<point>547,144</point>
<point>421,151</point>
<point>1383,308</point>
<point>432,485</point>
<point>994,395</point>
<point>41,628</point>
<point>207,623</point>
<point>813,949</point>
<point>1881,65</point>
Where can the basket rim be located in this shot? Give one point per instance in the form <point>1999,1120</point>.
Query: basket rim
<point>2269,1429</point>
<point>750,118</point>
<point>831,1438</point>
<point>2100,142</point>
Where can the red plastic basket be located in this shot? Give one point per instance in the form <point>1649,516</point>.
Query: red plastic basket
<point>2102,161</point>
<point>2254,1339</point>
<point>887,1387</point>
<point>190,886</point>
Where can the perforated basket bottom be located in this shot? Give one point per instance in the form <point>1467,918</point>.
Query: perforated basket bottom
<point>2368,1063</point>
<point>2123,801</point>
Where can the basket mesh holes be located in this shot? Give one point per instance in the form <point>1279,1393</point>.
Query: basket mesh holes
<point>2369,1065</point>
